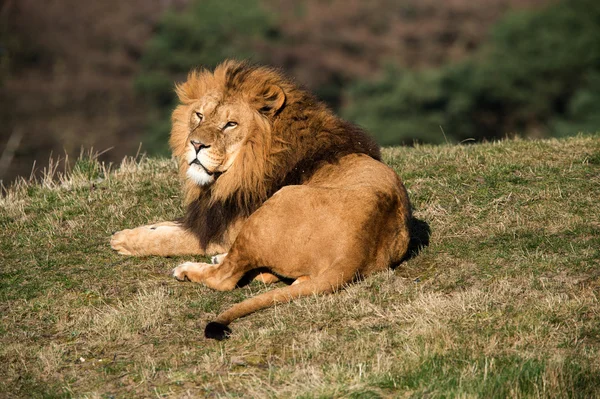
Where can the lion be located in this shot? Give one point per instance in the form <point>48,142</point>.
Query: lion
<point>276,187</point>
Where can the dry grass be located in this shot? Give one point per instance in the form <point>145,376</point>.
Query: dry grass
<point>502,303</point>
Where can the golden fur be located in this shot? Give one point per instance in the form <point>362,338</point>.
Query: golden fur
<point>275,180</point>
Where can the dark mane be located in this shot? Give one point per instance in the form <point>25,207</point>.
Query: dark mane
<point>209,220</point>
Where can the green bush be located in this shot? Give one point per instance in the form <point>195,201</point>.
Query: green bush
<point>203,35</point>
<point>539,75</point>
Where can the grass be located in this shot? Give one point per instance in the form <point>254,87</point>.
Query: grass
<point>503,302</point>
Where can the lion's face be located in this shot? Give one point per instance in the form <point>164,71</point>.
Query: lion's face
<point>222,131</point>
<point>217,130</point>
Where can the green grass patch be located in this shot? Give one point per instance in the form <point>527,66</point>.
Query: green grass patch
<point>456,374</point>
<point>502,302</point>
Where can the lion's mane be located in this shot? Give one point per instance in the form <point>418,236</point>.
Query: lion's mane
<point>284,147</point>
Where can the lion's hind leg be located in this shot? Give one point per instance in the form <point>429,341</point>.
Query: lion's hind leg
<point>267,278</point>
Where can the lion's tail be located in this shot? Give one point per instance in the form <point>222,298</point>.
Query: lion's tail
<point>326,282</point>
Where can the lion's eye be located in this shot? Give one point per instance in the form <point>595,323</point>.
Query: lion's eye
<point>199,116</point>
<point>229,125</point>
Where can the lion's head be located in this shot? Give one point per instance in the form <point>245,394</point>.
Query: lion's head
<point>221,129</point>
<point>242,132</point>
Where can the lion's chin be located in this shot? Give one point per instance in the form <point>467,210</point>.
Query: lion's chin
<point>198,175</point>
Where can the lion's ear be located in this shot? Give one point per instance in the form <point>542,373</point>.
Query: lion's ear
<point>182,91</point>
<point>270,100</point>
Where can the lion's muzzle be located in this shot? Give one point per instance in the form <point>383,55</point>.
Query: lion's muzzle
<point>197,162</point>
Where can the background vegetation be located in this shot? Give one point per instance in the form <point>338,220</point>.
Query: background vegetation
<point>503,302</point>
<point>538,75</point>
<point>106,81</point>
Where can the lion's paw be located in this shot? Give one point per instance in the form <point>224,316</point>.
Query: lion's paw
<point>217,259</point>
<point>119,242</point>
<point>180,272</point>
<point>188,271</point>
<point>191,271</point>
<point>143,240</point>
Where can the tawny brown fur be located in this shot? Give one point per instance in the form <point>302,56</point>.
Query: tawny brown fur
<point>283,185</point>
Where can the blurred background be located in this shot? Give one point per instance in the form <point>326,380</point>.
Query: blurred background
<point>100,74</point>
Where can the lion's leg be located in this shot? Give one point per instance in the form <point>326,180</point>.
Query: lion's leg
<point>213,276</point>
<point>264,277</point>
<point>163,239</point>
<point>267,278</point>
<point>301,279</point>
<point>221,277</point>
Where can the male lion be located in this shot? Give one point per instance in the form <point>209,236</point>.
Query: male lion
<point>276,183</point>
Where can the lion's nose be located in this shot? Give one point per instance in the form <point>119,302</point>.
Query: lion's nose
<point>198,145</point>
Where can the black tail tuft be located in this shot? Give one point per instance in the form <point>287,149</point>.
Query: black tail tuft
<point>217,331</point>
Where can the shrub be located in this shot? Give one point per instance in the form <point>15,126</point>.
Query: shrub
<point>539,75</point>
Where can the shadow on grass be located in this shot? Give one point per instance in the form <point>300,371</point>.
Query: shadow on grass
<point>252,274</point>
<point>419,239</point>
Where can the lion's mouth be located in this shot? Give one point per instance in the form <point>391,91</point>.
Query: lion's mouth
<point>208,172</point>
<point>197,162</point>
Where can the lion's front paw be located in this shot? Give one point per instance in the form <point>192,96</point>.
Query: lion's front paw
<point>195,272</point>
<point>217,259</point>
<point>180,272</point>
<point>120,240</point>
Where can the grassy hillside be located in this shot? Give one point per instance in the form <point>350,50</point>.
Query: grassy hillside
<point>503,302</point>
